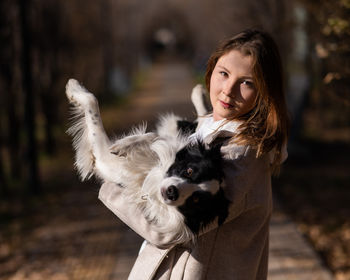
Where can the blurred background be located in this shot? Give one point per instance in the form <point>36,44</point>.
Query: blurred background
<point>115,48</point>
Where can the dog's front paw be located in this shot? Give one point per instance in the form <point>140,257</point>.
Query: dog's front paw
<point>73,87</point>
<point>125,146</point>
<point>77,94</point>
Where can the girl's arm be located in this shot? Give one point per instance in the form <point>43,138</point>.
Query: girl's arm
<point>112,196</point>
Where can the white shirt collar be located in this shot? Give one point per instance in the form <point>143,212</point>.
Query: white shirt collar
<point>210,129</point>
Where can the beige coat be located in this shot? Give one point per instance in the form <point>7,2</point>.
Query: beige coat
<point>236,250</point>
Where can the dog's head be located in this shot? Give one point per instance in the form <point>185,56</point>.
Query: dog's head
<point>193,185</point>
<point>195,169</point>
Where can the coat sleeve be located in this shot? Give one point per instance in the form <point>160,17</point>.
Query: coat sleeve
<point>112,196</point>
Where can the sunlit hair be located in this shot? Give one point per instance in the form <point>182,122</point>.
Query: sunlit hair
<point>266,125</point>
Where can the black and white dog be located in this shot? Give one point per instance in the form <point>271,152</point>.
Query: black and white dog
<point>177,183</point>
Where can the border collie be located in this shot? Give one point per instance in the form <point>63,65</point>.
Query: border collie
<point>177,183</point>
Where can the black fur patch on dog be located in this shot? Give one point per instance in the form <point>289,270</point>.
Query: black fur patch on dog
<point>186,127</point>
<point>205,164</point>
<point>202,207</point>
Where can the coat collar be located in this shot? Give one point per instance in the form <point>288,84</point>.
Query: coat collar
<point>211,129</point>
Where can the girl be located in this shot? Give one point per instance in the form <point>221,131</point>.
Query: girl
<point>244,79</point>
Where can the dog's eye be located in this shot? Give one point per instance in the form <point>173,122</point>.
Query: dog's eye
<point>195,199</point>
<point>189,172</point>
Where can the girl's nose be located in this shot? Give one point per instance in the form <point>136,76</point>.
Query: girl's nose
<point>229,88</point>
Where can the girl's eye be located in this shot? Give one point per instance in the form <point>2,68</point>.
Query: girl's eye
<point>248,83</point>
<point>189,172</point>
<point>223,73</point>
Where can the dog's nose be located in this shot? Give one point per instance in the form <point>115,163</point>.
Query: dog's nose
<point>172,193</point>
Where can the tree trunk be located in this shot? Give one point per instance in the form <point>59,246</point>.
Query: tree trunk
<point>31,153</point>
<point>9,101</point>
<point>106,46</point>
<point>14,126</point>
<point>3,183</point>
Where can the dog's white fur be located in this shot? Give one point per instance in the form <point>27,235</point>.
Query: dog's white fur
<point>137,162</point>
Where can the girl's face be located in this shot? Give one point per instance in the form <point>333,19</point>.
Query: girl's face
<point>232,92</point>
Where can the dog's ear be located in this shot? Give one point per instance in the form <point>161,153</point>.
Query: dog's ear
<point>216,148</point>
<point>201,146</point>
<point>186,127</point>
<point>182,154</point>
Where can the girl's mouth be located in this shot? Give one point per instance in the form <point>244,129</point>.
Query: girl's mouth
<point>225,105</point>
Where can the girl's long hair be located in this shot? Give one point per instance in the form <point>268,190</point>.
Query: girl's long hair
<point>266,126</point>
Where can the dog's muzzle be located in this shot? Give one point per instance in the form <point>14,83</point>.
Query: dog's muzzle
<point>176,190</point>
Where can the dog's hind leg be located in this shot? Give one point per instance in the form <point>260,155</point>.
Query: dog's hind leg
<point>199,100</point>
<point>89,137</point>
<point>171,126</point>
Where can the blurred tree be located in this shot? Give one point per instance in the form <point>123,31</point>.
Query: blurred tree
<point>48,41</point>
<point>275,17</point>
<point>212,21</point>
<point>9,97</point>
<point>328,29</point>
<point>3,183</point>
<point>31,149</point>
<point>106,40</point>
